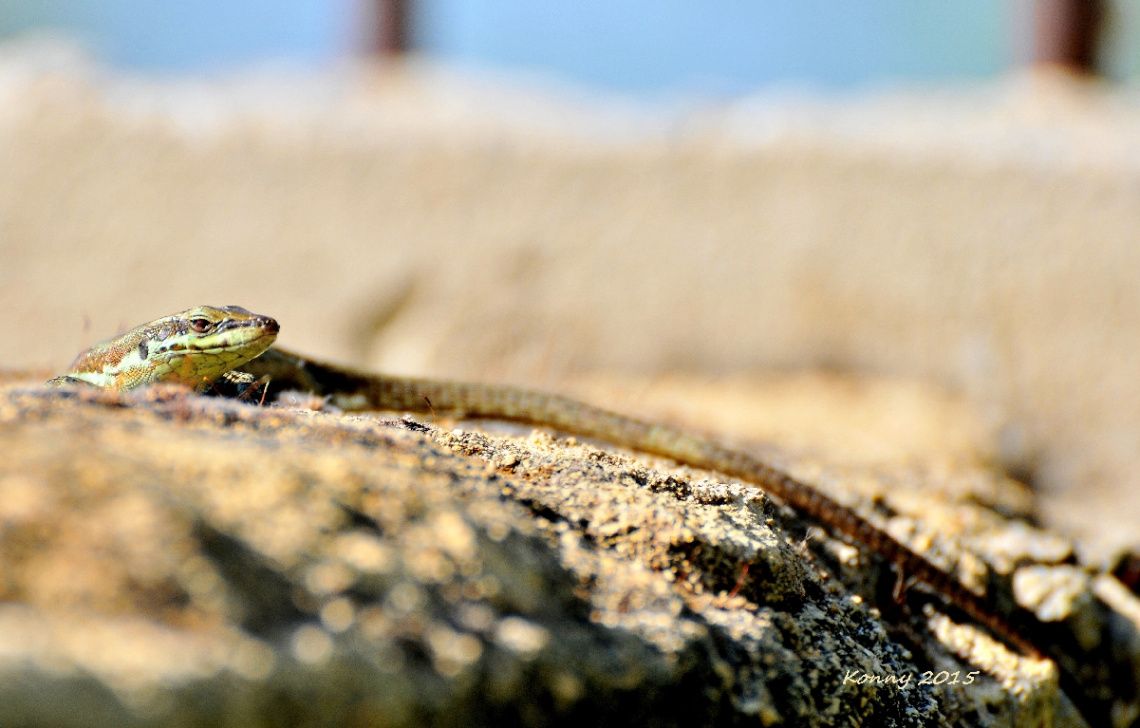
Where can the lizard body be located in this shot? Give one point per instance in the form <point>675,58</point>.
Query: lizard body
<point>202,345</point>
<point>351,390</point>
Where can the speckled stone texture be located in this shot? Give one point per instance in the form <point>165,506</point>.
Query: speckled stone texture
<point>172,560</point>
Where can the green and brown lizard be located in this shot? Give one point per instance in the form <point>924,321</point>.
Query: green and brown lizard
<point>204,347</point>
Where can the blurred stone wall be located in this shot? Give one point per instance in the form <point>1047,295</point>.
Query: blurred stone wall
<point>419,221</point>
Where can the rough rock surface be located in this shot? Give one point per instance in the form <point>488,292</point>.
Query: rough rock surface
<point>173,560</point>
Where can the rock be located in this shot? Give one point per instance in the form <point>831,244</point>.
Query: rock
<point>169,559</point>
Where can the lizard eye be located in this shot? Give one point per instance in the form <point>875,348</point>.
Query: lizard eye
<point>200,325</point>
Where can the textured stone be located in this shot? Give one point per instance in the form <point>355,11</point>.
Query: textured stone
<point>174,560</point>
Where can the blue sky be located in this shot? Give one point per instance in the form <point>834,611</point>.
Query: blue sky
<point>732,43</point>
<point>624,45</point>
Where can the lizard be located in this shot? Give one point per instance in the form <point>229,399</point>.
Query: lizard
<point>204,347</point>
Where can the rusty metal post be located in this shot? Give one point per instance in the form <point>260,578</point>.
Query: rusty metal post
<point>392,26</point>
<point>1067,33</point>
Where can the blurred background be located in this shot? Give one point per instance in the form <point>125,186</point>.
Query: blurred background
<point>943,193</point>
<point>634,46</point>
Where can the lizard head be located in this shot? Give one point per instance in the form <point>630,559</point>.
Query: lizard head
<point>193,347</point>
<point>199,345</point>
